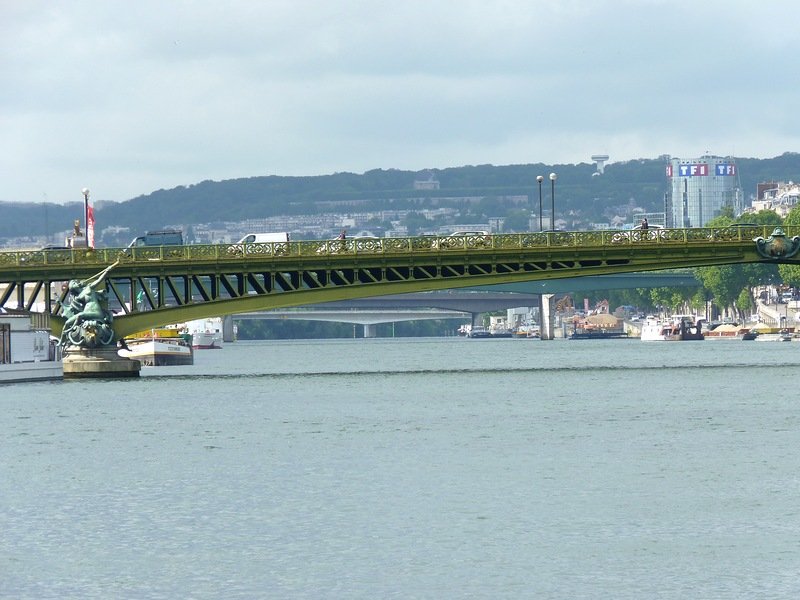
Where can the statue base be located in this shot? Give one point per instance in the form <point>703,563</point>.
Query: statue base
<point>98,363</point>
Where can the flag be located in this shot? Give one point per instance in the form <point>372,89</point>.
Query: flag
<point>89,224</point>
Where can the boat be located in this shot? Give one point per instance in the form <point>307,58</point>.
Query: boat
<point>160,347</point>
<point>527,331</point>
<point>601,326</point>
<point>206,333</point>
<point>727,331</point>
<point>498,328</point>
<point>27,351</point>
<point>478,331</point>
<point>785,335</point>
<point>672,329</point>
<point>597,335</point>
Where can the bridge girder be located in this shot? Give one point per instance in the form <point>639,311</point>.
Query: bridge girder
<point>155,287</point>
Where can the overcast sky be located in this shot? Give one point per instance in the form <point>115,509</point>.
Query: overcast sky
<point>129,97</point>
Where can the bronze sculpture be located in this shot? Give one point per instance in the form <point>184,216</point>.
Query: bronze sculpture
<point>88,321</point>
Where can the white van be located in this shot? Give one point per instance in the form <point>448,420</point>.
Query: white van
<point>262,243</point>
<point>264,238</point>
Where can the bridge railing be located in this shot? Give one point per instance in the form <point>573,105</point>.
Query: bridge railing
<point>412,245</point>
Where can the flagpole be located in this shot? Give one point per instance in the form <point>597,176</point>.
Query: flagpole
<point>85,192</point>
<point>88,232</point>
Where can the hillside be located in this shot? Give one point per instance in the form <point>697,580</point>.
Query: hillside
<point>639,182</point>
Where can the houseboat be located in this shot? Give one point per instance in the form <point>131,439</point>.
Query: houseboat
<point>27,350</point>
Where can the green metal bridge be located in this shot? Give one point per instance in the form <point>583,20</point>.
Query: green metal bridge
<point>155,286</point>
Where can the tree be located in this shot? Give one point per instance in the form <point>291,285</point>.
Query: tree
<point>791,273</point>
<point>516,221</point>
<point>415,222</point>
<point>764,217</point>
<point>727,284</point>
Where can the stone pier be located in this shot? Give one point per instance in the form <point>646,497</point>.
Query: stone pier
<point>547,316</point>
<point>95,363</point>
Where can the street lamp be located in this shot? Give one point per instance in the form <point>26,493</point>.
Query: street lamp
<point>553,178</point>
<point>540,179</point>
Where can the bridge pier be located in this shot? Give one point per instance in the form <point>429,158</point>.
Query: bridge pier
<point>546,314</point>
<point>227,329</point>
<point>105,363</point>
<point>370,330</point>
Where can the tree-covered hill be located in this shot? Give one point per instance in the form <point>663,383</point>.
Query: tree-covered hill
<point>642,182</point>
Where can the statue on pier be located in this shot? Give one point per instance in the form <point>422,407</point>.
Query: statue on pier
<point>88,319</point>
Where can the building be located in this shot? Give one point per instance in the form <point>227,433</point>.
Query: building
<point>431,183</point>
<point>699,189</point>
<point>778,197</point>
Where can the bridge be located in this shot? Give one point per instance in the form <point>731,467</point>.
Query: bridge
<point>156,286</point>
<point>365,317</point>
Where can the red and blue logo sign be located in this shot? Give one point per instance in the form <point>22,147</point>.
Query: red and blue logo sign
<point>701,170</point>
<point>724,170</point>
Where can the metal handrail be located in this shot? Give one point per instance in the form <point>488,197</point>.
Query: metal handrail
<point>391,246</point>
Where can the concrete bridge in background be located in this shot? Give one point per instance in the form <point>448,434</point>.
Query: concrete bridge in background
<point>369,319</point>
<point>460,304</point>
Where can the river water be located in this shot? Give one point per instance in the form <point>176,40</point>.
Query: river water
<point>411,468</point>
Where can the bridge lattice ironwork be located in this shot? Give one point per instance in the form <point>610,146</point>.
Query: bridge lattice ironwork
<point>168,284</point>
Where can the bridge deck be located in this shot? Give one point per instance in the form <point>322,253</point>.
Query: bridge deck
<point>167,284</point>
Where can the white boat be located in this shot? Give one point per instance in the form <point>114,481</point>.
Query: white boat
<point>676,328</point>
<point>158,348</point>
<point>27,352</point>
<point>498,328</point>
<point>206,333</point>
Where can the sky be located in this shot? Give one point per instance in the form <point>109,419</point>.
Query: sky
<point>126,98</point>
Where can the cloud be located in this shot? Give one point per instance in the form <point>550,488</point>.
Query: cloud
<point>127,98</point>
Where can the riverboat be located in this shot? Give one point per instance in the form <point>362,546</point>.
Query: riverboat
<point>158,348</point>
<point>597,335</point>
<point>597,327</point>
<point>727,331</point>
<point>206,333</point>
<point>27,352</point>
<point>478,331</point>
<point>677,328</point>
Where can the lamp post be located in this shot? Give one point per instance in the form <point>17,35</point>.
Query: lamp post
<point>540,179</point>
<point>553,178</point>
